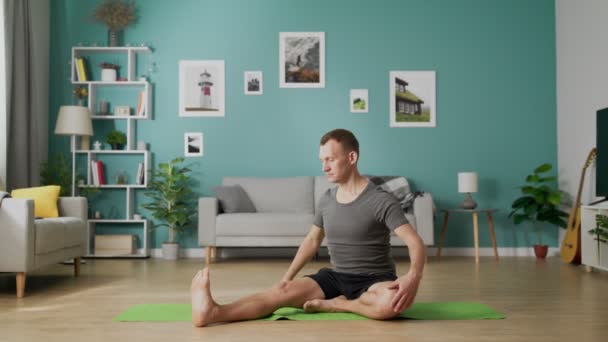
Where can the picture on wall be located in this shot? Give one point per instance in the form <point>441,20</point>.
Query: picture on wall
<point>302,59</point>
<point>253,83</point>
<point>359,101</point>
<point>201,88</point>
<point>193,144</point>
<point>412,99</point>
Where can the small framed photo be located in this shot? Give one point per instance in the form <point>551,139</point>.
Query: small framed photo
<point>412,99</point>
<point>359,101</point>
<point>193,144</point>
<point>201,88</point>
<point>253,83</point>
<point>302,59</point>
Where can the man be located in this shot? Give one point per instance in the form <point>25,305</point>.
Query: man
<point>357,218</point>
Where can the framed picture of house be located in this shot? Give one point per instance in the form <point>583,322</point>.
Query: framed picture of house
<point>302,59</point>
<point>253,83</point>
<point>193,144</point>
<point>201,88</point>
<point>412,99</point>
<point>359,101</point>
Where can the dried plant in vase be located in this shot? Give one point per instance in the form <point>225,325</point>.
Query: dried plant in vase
<point>116,15</point>
<point>81,92</point>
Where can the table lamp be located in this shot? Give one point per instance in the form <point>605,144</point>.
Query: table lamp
<point>467,183</point>
<point>74,121</point>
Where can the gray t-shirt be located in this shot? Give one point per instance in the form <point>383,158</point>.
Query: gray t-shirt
<point>358,233</point>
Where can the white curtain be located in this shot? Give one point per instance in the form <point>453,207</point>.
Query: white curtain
<point>3,87</point>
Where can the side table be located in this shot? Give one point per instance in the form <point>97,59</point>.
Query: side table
<point>475,213</point>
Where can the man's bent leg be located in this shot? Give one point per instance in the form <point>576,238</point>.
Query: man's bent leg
<point>375,303</point>
<point>206,311</point>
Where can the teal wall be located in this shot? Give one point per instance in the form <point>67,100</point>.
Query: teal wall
<point>496,105</point>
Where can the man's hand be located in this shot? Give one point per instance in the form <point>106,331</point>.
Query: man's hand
<point>407,287</point>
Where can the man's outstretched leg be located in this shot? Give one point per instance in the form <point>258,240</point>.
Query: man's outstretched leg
<point>206,311</point>
<point>375,303</point>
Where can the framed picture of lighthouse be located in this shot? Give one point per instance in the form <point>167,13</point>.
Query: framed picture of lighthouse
<point>201,88</point>
<point>302,59</point>
<point>412,99</point>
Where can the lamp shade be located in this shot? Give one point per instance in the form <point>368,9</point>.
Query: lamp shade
<point>467,182</point>
<point>74,120</point>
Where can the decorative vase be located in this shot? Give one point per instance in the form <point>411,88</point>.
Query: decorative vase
<point>170,250</point>
<point>114,37</point>
<point>116,146</point>
<point>541,251</point>
<point>108,75</point>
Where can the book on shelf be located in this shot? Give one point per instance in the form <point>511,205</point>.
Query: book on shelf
<point>101,173</point>
<point>141,104</point>
<point>94,174</point>
<point>140,174</point>
<point>81,70</point>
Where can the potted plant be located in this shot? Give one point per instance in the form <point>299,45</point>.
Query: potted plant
<point>117,139</point>
<point>116,15</point>
<point>600,232</point>
<point>109,72</point>
<point>173,202</point>
<point>539,204</point>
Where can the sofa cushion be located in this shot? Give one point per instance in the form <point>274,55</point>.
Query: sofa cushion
<point>45,199</point>
<point>56,233</point>
<point>277,195</point>
<point>233,199</point>
<point>263,224</point>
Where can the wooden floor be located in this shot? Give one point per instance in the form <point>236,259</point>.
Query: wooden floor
<point>543,301</point>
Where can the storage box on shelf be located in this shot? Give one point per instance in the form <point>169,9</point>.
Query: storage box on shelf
<point>93,87</point>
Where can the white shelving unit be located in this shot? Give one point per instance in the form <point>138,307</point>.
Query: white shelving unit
<point>131,122</point>
<point>591,256</point>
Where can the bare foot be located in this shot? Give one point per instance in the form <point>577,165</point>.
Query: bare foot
<point>323,305</point>
<point>204,308</point>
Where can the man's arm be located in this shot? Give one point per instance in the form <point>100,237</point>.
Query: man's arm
<point>407,285</point>
<point>306,251</point>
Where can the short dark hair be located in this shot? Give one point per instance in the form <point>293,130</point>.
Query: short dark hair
<point>345,137</point>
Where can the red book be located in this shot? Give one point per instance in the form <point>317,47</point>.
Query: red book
<point>102,178</point>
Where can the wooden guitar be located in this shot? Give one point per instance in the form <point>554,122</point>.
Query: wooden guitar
<point>571,245</point>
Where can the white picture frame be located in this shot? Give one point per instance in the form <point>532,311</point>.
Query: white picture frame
<point>415,104</point>
<point>359,101</point>
<point>253,82</point>
<point>302,59</point>
<point>193,144</point>
<point>201,88</point>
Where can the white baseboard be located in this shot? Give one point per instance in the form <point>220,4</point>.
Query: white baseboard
<point>397,251</point>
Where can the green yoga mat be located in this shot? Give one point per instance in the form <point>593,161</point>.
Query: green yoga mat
<point>427,311</point>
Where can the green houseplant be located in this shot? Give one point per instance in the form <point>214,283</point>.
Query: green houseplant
<point>116,15</point>
<point>539,204</point>
<point>117,139</point>
<point>173,202</point>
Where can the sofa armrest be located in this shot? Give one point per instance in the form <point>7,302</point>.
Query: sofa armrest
<point>73,207</point>
<point>424,214</point>
<point>207,211</point>
<point>16,235</point>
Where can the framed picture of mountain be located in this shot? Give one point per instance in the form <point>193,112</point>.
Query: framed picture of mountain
<point>302,59</point>
<point>359,101</point>
<point>412,99</point>
<point>193,144</point>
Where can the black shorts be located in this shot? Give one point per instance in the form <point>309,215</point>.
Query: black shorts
<point>352,286</point>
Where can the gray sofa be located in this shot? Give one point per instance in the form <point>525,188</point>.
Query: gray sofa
<point>285,212</point>
<point>27,244</point>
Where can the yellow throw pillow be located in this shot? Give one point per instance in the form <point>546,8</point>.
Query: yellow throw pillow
<point>45,199</point>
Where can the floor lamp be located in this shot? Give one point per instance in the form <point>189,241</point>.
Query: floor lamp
<point>74,121</point>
